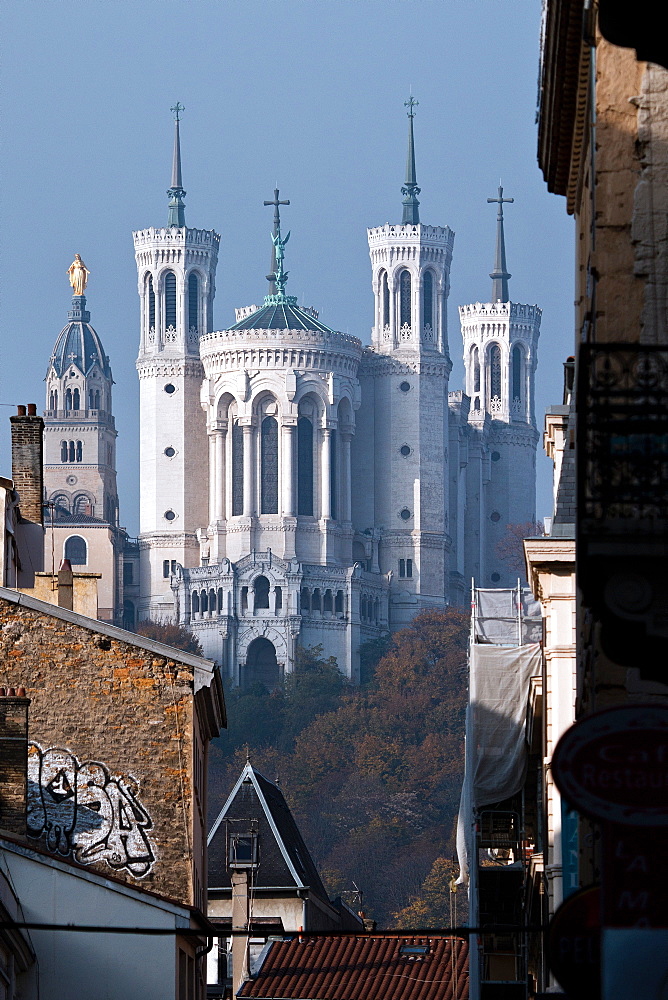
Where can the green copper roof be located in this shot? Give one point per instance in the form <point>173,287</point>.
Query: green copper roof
<point>281,312</point>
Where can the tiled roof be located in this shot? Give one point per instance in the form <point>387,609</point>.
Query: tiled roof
<point>284,859</point>
<point>362,968</point>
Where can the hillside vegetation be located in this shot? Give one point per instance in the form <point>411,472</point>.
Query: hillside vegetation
<point>372,774</point>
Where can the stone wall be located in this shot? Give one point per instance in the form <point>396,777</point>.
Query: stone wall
<point>112,728</point>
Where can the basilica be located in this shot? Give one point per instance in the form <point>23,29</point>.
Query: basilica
<point>298,487</point>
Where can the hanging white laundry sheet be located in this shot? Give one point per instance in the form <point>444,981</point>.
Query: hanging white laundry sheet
<point>496,757</point>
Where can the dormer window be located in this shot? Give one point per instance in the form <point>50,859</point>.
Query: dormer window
<point>243,852</point>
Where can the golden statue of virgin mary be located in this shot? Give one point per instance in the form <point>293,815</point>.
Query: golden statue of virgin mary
<point>78,274</point>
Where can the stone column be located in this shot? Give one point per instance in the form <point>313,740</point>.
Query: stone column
<point>213,476</point>
<point>345,437</point>
<point>221,436</point>
<point>287,470</point>
<point>325,474</point>
<point>249,468</point>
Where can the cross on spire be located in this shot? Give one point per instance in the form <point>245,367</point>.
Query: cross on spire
<point>500,274</point>
<point>177,206</point>
<point>271,277</point>
<point>410,190</point>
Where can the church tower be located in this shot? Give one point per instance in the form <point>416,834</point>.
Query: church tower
<point>176,269</point>
<point>500,358</point>
<point>80,455</point>
<point>409,367</point>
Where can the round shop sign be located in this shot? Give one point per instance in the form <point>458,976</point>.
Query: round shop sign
<point>613,765</point>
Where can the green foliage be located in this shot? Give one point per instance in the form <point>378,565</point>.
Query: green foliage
<point>171,634</point>
<point>373,774</point>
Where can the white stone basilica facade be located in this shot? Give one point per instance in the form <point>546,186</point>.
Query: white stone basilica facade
<point>301,488</point>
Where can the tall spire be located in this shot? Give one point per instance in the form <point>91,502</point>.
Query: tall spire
<point>271,278</point>
<point>500,273</point>
<point>177,207</point>
<point>410,190</point>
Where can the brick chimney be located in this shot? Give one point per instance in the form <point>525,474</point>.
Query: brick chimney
<point>27,462</point>
<point>13,759</point>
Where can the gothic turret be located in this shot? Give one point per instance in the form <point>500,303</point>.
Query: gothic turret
<point>176,269</point>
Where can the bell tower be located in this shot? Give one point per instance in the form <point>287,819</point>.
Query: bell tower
<point>411,366</point>
<point>500,358</point>
<point>176,268</point>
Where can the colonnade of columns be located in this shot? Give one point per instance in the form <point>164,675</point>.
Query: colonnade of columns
<point>220,471</point>
<point>418,319</point>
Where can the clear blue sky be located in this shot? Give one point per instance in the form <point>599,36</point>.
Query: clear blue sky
<point>306,94</point>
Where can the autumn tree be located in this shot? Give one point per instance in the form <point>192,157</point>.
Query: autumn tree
<point>436,903</point>
<point>510,549</point>
<point>171,635</point>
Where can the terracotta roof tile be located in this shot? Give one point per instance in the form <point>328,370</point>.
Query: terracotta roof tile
<point>362,968</point>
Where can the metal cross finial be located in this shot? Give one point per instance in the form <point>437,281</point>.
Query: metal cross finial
<point>410,104</point>
<point>271,277</point>
<point>176,110</point>
<point>500,201</point>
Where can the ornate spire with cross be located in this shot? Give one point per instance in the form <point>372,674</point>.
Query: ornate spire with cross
<point>177,207</point>
<point>500,273</point>
<point>271,277</point>
<point>410,190</point>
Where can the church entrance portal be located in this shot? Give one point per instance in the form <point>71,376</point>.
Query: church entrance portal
<point>261,665</point>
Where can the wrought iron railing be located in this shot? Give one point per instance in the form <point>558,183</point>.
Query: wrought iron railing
<point>622,436</point>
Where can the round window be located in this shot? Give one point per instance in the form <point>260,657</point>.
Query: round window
<point>495,577</point>
<point>405,514</point>
<point>404,386</point>
<point>169,388</point>
<point>71,480</point>
<point>495,456</point>
<point>405,450</point>
<point>169,515</point>
<point>170,452</point>
<point>495,516</point>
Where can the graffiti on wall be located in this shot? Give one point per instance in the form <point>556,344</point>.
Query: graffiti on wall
<point>81,809</point>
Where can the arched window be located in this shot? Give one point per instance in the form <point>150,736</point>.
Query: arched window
<point>204,602</point>
<point>237,469</point>
<point>195,602</point>
<point>53,400</point>
<point>76,400</point>
<point>305,599</point>
<point>315,600</point>
<point>79,451</point>
<point>261,594</point>
<point>170,300</point>
<point>128,616</point>
<point>495,372</point>
<point>405,297</point>
<point>517,373</point>
<point>428,299</point>
<point>269,466</point>
<point>71,454</point>
<point>96,400</point>
<point>150,293</point>
<point>220,600</point>
<point>193,301</point>
<point>475,357</point>
<point>76,550</point>
<point>384,299</point>
<point>261,664</point>
<point>332,472</point>
<point>82,504</point>
<point>338,603</point>
<point>212,601</point>
<point>61,504</point>
<point>304,466</point>
<point>278,599</point>
<point>63,451</point>
<point>68,399</point>
<point>328,602</point>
